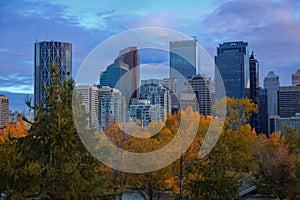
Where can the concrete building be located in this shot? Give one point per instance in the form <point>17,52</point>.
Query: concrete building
<point>143,113</point>
<point>147,83</point>
<point>296,78</point>
<point>232,61</point>
<point>14,116</point>
<point>160,97</point>
<point>112,107</point>
<point>278,123</point>
<point>46,54</point>
<point>288,101</point>
<point>200,85</point>
<point>183,61</point>
<point>89,95</point>
<point>188,99</point>
<point>4,102</point>
<point>271,84</point>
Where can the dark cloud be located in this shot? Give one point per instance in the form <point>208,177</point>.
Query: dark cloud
<point>270,28</point>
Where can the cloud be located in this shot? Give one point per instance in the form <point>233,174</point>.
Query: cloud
<point>270,28</point>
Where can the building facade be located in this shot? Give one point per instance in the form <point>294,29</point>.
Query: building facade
<point>47,54</point>
<point>296,78</point>
<point>232,62</point>
<point>254,89</point>
<point>288,101</point>
<point>131,57</point>
<point>278,123</point>
<point>143,113</point>
<point>89,97</point>
<point>263,112</point>
<point>271,84</point>
<point>183,61</point>
<point>160,97</point>
<point>4,103</point>
<point>117,76</point>
<point>147,83</point>
<point>200,85</point>
<point>112,107</point>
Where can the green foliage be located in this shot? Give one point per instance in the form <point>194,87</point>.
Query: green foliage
<point>51,162</point>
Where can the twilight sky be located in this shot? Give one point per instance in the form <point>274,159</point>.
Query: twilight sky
<point>271,28</point>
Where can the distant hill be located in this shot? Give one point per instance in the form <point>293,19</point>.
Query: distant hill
<point>17,100</point>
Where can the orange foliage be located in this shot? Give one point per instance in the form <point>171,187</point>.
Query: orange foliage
<point>14,129</point>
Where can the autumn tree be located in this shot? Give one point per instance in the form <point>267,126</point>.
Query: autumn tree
<point>216,175</point>
<point>275,176</point>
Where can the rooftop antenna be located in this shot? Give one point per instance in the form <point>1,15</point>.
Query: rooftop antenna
<point>36,38</point>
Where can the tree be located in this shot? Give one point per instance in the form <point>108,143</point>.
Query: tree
<point>51,161</point>
<point>275,176</point>
<point>216,175</point>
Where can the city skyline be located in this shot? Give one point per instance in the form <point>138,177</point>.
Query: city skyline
<point>273,39</point>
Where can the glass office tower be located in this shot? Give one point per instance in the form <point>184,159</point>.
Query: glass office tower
<point>232,61</point>
<point>47,54</point>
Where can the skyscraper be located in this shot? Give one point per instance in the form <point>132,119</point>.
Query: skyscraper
<point>131,57</point>
<point>296,78</point>
<point>271,84</point>
<point>3,110</point>
<point>183,61</point>
<point>117,76</point>
<point>254,89</point>
<point>232,61</point>
<point>47,54</point>
<point>263,112</point>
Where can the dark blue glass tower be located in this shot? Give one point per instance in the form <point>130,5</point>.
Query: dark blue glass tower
<point>232,61</point>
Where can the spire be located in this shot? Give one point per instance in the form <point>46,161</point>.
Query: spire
<point>252,55</point>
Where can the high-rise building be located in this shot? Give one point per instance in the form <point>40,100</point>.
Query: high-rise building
<point>47,54</point>
<point>160,97</point>
<point>89,97</point>
<point>170,83</point>
<point>112,107</point>
<point>278,123</point>
<point>200,85</point>
<point>183,61</point>
<point>14,116</point>
<point>3,110</point>
<point>263,112</point>
<point>271,84</point>
<point>288,101</point>
<point>117,76</point>
<point>131,57</point>
<point>232,62</point>
<point>254,89</point>
<point>296,78</point>
<point>147,83</point>
<point>143,113</point>
<point>188,99</point>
